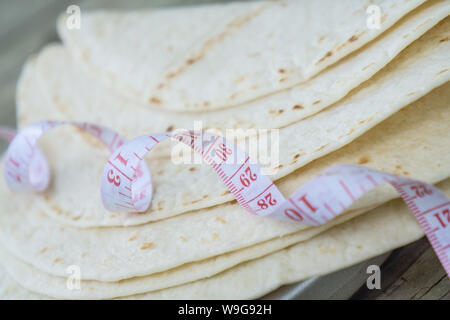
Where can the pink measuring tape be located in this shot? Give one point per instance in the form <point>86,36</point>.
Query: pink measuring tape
<point>126,182</point>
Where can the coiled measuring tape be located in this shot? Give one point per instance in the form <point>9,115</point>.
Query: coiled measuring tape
<point>126,184</point>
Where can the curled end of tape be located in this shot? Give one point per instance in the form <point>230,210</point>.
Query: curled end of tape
<point>26,172</point>
<point>122,195</point>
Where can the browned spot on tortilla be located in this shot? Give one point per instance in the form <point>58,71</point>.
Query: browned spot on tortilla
<point>283,79</point>
<point>280,111</point>
<point>171,75</point>
<point>359,246</point>
<point>133,237</point>
<point>57,210</point>
<point>442,71</point>
<point>297,156</point>
<point>398,167</point>
<point>411,93</point>
<point>350,131</point>
<point>147,245</point>
<point>191,60</point>
<point>154,100</point>
<point>317,101</point>
<point>228,30</point>
<point>205,196</point>
<point>383,17</point>
<point>405,173</point>
<point>240,78</point>
<point>254,87</point>
<point>160,86</point>
<point>206,103</point>
<point>358,11</point>
<point>169,128</point>
<point>85,55</point>
<point>88,138</point>
<point>279,166</point>
<point>328,54</point>
<point>405,36</point>
<point>62,107</point>
<point>192,202</point>
<point>43,250</point>
<point>352,38</point>
<point>366,120</point>
<point>225,193</point>
<point>363,160</point>
<point>297,106</point>
<point>159,205</point>
<point>192,169</point>
<point>367,66</point>
<point>183,238</point>
<point>57,260</point>
<point>423,23</point>
<point>215,236</point>
<point>221,220</point>
<point>321,38</point>
<point>444,39</point>
<point>438,165</point>
<point>321,147</point>
<point>281,70</point>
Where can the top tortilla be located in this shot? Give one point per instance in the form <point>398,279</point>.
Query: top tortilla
<point>215,56</point>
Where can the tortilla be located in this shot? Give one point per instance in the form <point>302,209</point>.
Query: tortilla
<point>77,95</point>
<point>111,254</point>
<point>261,47</point>
<point>384,229</point>
<point>344,245</point>
<point>55,286</point>
<point>10,290</point>
<point>426,60</point>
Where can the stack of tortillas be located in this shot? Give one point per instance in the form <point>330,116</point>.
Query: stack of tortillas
<point>339,89</point>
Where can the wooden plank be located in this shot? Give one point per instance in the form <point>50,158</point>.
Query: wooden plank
<point>425,279</point>
<point>412,272</point>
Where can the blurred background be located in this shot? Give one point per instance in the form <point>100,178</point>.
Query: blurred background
<point>411,272</point>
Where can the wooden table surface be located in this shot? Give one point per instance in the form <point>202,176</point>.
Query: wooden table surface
<point>411,272</point>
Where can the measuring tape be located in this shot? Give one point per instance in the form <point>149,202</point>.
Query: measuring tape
<point>126,184</point>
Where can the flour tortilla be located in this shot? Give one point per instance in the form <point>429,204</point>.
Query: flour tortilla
<point>110,254</point>
<point>55,286</point>
<point>381,230</point>
<point>10,290</point>
<point>384,229</point>
<point>77,95</point>
<point>425,62</point>
<point>264,47</point>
